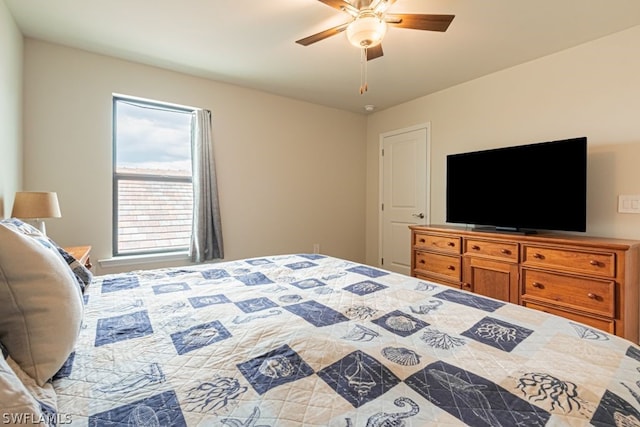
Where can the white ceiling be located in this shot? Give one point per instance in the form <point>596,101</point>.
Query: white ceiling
<point>251,43</point>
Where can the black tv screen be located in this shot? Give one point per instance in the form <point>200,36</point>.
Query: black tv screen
<point>522,188</point>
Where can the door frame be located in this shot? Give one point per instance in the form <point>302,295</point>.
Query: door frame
<point>381,137</point>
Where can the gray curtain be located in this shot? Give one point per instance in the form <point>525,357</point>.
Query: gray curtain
<point>206,239</point>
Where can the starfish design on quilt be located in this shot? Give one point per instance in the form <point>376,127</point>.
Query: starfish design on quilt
<point>249,422</point>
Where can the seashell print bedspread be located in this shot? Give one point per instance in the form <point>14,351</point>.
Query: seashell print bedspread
<point>311,340</point>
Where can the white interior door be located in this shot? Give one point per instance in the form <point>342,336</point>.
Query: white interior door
<point>404,193</point>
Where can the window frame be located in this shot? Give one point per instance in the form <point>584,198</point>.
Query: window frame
<point>116,177</point>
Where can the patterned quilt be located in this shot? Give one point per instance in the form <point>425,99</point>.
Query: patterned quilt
<point>310,340</point>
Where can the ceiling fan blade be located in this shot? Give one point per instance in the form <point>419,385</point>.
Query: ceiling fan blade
<point>374,52</point>
<point>322,35</point>
<point>341,5</point>
<point>381,6</point>
<point>420,21</point>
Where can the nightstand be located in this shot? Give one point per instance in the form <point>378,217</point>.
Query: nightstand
<point>81,253</point>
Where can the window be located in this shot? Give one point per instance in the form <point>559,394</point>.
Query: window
<point>152,180</point>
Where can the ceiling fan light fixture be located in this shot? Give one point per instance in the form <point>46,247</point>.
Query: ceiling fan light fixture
<point>366,31</point>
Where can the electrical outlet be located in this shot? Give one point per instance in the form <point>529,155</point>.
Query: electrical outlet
<point>316,248</point>
<point>628,203</point>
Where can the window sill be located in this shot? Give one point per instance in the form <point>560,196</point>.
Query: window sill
<point>124,260</point>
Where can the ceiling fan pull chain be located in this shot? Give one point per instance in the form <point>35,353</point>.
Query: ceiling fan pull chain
<point>365,61</point>
<point>363,71</point>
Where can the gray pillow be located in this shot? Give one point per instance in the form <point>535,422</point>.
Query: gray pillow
<point>40,302</point>
<point>82,273</point>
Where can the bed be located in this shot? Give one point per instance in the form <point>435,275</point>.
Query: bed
<point>313,340</point>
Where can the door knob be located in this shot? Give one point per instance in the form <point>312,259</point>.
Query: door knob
<point>418,215</point>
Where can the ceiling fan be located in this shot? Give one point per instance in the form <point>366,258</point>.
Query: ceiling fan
<point>368,25</point>
<point>369,20</point>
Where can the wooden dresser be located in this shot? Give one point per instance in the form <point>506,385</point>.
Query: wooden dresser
<point>587,279</point>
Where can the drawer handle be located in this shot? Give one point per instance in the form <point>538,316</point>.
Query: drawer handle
<point>594,263</point>
<point>451,267</point>
<point>505,251</point>
<point>592,295</point>
<point>537,285</point>
<point>422,261</point>
<point>475,247</point>
<point>538,256</point>
<point>421,240</point>
<point>451,244</point>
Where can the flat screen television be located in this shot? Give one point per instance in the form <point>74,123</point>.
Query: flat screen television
<point>520,189</point>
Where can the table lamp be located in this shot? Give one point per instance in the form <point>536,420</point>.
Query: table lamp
<point>36,205</point>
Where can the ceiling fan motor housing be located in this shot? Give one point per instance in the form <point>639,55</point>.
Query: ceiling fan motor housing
<point>366,30</point>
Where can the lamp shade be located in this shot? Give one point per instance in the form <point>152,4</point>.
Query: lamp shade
<point>366,31</point>
<point>35,204</point>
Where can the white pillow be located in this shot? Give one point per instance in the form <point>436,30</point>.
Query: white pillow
<point>40,302</point>
<point>21,400</point>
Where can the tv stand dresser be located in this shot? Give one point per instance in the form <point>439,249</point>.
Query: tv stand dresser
<point>590,280</point>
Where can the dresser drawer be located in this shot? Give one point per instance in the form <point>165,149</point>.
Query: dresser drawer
<point>592,295</point>
<point>592,263</point>
<point>446,244</point>
<point>439,265</point>
<point>501,250</point>
<point>602,324</point>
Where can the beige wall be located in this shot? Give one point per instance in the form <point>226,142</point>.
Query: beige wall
<point>10,110</point>
<point>293,174</point>
<point>290,173</point>
<point>591,90</point>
